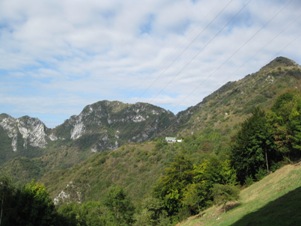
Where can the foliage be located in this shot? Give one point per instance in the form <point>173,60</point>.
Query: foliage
<point>120,206</point>
<point>223,193</point>
<point>152,213</point>
<point>185,189</point>
<point>29,205</point>
<point>170,187</point>
<point>286,122</point>
<point>206,174</point>
<point>274,200</point>
<point>90,213</point>
<point>268,138</point>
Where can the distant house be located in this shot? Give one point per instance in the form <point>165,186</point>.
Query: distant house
<point>172,140</point>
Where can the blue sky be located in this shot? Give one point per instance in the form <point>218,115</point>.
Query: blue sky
<point>57,56</point>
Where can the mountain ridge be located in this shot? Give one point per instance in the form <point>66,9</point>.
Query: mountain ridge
<point>109,120</point>
<point>112,121</point>
<point>107,125</point>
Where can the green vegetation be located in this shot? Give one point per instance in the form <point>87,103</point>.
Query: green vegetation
<point>274,200</point>
<point>267,139</point>
<point>28,205</point>
<point>116,210</point>
<point>238,135</point>
<point>224,193</point>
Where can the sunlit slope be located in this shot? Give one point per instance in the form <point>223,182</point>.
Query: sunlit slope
<point>275,200</point>
<point>230,105</point>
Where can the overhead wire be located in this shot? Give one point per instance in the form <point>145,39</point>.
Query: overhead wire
<point>244,44</point>
<point>191,42</point>
<point>207,44</point>
<point>265,45</point>
<point>202,49</point>
<point>240,47</point>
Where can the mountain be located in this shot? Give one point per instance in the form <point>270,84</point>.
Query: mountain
<point>23,136</point>
<point>206,127</point>
<point>31,130</point>
<point>111,142</point>
<point>101,126</point>
<point>106,125</point>
<point>228,106</point>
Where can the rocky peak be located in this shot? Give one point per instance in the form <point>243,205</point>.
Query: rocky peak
<point>279,62</point>
<point>108,124</point>
<point>31,130</point>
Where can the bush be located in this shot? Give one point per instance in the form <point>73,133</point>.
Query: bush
<point>224,193</point>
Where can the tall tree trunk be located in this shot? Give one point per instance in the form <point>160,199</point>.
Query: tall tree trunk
<point>266,161</point>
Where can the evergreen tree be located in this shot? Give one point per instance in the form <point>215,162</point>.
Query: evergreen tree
<point>253,147</point>
<point>286,123</point>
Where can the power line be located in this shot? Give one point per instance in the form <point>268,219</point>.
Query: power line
<point>244,44</point>
<point>187,47</point>
<point>183,51</point>
<point>266,44</point>
<point>199,52</point>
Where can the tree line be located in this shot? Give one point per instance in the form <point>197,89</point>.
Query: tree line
<point>31,205</point>
<point>268,139</point>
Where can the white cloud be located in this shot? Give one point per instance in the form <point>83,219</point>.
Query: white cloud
<point>172,53</point>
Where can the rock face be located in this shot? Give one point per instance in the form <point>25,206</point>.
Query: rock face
<point>106,125</point>
<point>30,131</point>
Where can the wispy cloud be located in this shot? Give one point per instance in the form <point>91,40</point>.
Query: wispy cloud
<point>58,56</point>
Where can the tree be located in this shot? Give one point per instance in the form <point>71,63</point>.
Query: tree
<point>253,147</point>
<point>29,205</point>
<point>198,194</point>
<point>171,185</point>
<point>120,206</point>
<point>7,200</point>
<point>286,122</point>
<point>152,212</point>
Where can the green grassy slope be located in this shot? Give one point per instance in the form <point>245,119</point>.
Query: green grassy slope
<point>275,200</point>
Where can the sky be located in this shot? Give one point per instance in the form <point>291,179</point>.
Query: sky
<point>57,56</point>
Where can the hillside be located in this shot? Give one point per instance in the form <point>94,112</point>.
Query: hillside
<point>228,106</point>
<point>275,200</point>
<point>113,143</point>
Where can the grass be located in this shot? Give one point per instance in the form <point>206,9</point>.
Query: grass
<point>275,200</point>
